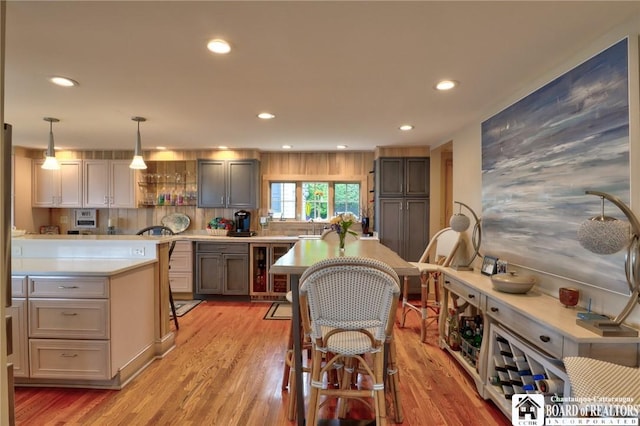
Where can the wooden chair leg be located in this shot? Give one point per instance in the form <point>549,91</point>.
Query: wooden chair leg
<point>406,306</point>
<point>287,360</point>
<point>424,295</point>
<point>316,384</point>
<point>393,381</point>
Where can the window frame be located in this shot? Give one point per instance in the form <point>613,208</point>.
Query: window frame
<point>300,179</point>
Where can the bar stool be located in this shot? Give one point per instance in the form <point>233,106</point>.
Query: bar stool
<point>439,253</point>
<point>348,305</point>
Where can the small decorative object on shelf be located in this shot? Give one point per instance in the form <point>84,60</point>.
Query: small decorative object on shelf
<point>569,296</point>
<point>220,226</point>
<point>341,224</point>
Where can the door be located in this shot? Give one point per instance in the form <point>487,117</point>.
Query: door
<point>96,178</point>
<point>390,223</point>
<point>209,273</point>
<point>122,184</point>
<point>242,184</point>
<point>211,183</point>
<point>236,270</point>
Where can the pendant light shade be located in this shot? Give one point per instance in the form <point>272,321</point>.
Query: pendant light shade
<point>50,162</point>
<point>138,161</point>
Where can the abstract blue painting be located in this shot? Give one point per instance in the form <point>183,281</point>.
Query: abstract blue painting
<point>539,156</point>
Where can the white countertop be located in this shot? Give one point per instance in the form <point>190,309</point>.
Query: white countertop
<point>78,266</point>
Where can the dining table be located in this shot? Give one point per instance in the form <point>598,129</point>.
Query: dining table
<point>307,252</point>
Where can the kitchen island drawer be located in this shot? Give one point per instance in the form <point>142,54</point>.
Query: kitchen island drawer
<point>543,337</point>
<point>69,287</point>
<point>181,282</point>
<point>181,262</point>
<point>69,319</point>
<point>69,359</point>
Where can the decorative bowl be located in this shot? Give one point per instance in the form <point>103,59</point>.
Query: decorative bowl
<point>512,282</point>
<point>569,296</point>
<point>217,232</point>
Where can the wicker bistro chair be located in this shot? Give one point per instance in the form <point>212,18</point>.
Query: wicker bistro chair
<point>163,230</point>
<point>347,306</point>
<point>439,252</point>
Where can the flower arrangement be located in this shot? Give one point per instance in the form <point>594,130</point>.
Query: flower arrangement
<point>341,224</point>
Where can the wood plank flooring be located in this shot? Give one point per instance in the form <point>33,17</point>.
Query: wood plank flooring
<point>227,370</point>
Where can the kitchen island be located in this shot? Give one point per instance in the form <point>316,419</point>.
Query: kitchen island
<point>88,311</point>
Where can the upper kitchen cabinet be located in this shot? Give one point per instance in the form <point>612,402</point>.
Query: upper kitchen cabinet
<point>57,188</point>
<point>228,183</point>
<point>109,183</point>
<point>402,177</point>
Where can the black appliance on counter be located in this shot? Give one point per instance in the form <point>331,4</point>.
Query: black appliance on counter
<point>242,219</point>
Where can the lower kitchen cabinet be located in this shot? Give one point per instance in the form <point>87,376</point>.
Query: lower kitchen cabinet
<point>181,268</point>
<point>19,356</point>
<point>266,286</point>
<point>222,269</point>
<point>77,330</point>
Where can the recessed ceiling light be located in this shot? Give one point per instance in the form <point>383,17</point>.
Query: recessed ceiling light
<point>63,81</point>
<point>406,127</point>
<point>161,148</point>
<point>446,84</point>
<point>266,116</point>
<point>223,147</point>
<point>286,147</point>
<point>219,46</point>
<point>341,147</point>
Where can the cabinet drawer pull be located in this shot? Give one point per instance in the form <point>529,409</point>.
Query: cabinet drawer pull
<point>494,309</point>
<point>471,296</point>
<point>67,286</point>
<point>68,355</point>
<point>545,339</point>
<point>69,314</point>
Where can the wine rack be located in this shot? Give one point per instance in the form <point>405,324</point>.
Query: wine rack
<point>516,368</point>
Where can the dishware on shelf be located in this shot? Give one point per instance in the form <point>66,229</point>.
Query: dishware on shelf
<point>177,222</point>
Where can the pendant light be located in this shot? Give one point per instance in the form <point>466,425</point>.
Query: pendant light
<point>50,162</point>
<point>138,161</point>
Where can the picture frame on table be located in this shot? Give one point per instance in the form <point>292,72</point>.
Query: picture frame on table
<point>489,265</point>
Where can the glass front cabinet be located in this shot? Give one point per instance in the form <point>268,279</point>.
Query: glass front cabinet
<point>263,285</point>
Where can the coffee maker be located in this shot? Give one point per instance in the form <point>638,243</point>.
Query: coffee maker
<point>242,219</point>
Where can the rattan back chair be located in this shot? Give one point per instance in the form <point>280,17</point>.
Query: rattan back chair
<point>348,306</point>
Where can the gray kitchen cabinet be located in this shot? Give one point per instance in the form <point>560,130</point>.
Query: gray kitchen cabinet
<point>222,269</point>
<point>228,183</point>
<point>402,206</point>
<point>402,177</point>
<point>404,226</point>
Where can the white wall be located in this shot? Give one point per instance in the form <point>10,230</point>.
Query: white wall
<point>468,163</point>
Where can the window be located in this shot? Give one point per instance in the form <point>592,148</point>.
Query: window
<point>314,200</point>
<point>283,200</point>
<point>346,198</point>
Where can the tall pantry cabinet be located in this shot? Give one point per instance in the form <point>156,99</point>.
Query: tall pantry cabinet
<point>402,205</point>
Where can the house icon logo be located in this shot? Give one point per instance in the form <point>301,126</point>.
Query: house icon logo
<point>527,410</point>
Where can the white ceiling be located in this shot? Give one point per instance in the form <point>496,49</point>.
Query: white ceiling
<point>333,72</point>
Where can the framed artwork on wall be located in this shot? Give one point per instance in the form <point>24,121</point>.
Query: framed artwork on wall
<point>539,156</point>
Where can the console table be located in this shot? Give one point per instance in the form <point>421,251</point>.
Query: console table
<point>524,339</point>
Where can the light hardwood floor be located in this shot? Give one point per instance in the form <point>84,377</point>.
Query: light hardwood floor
<point>227,370</point>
